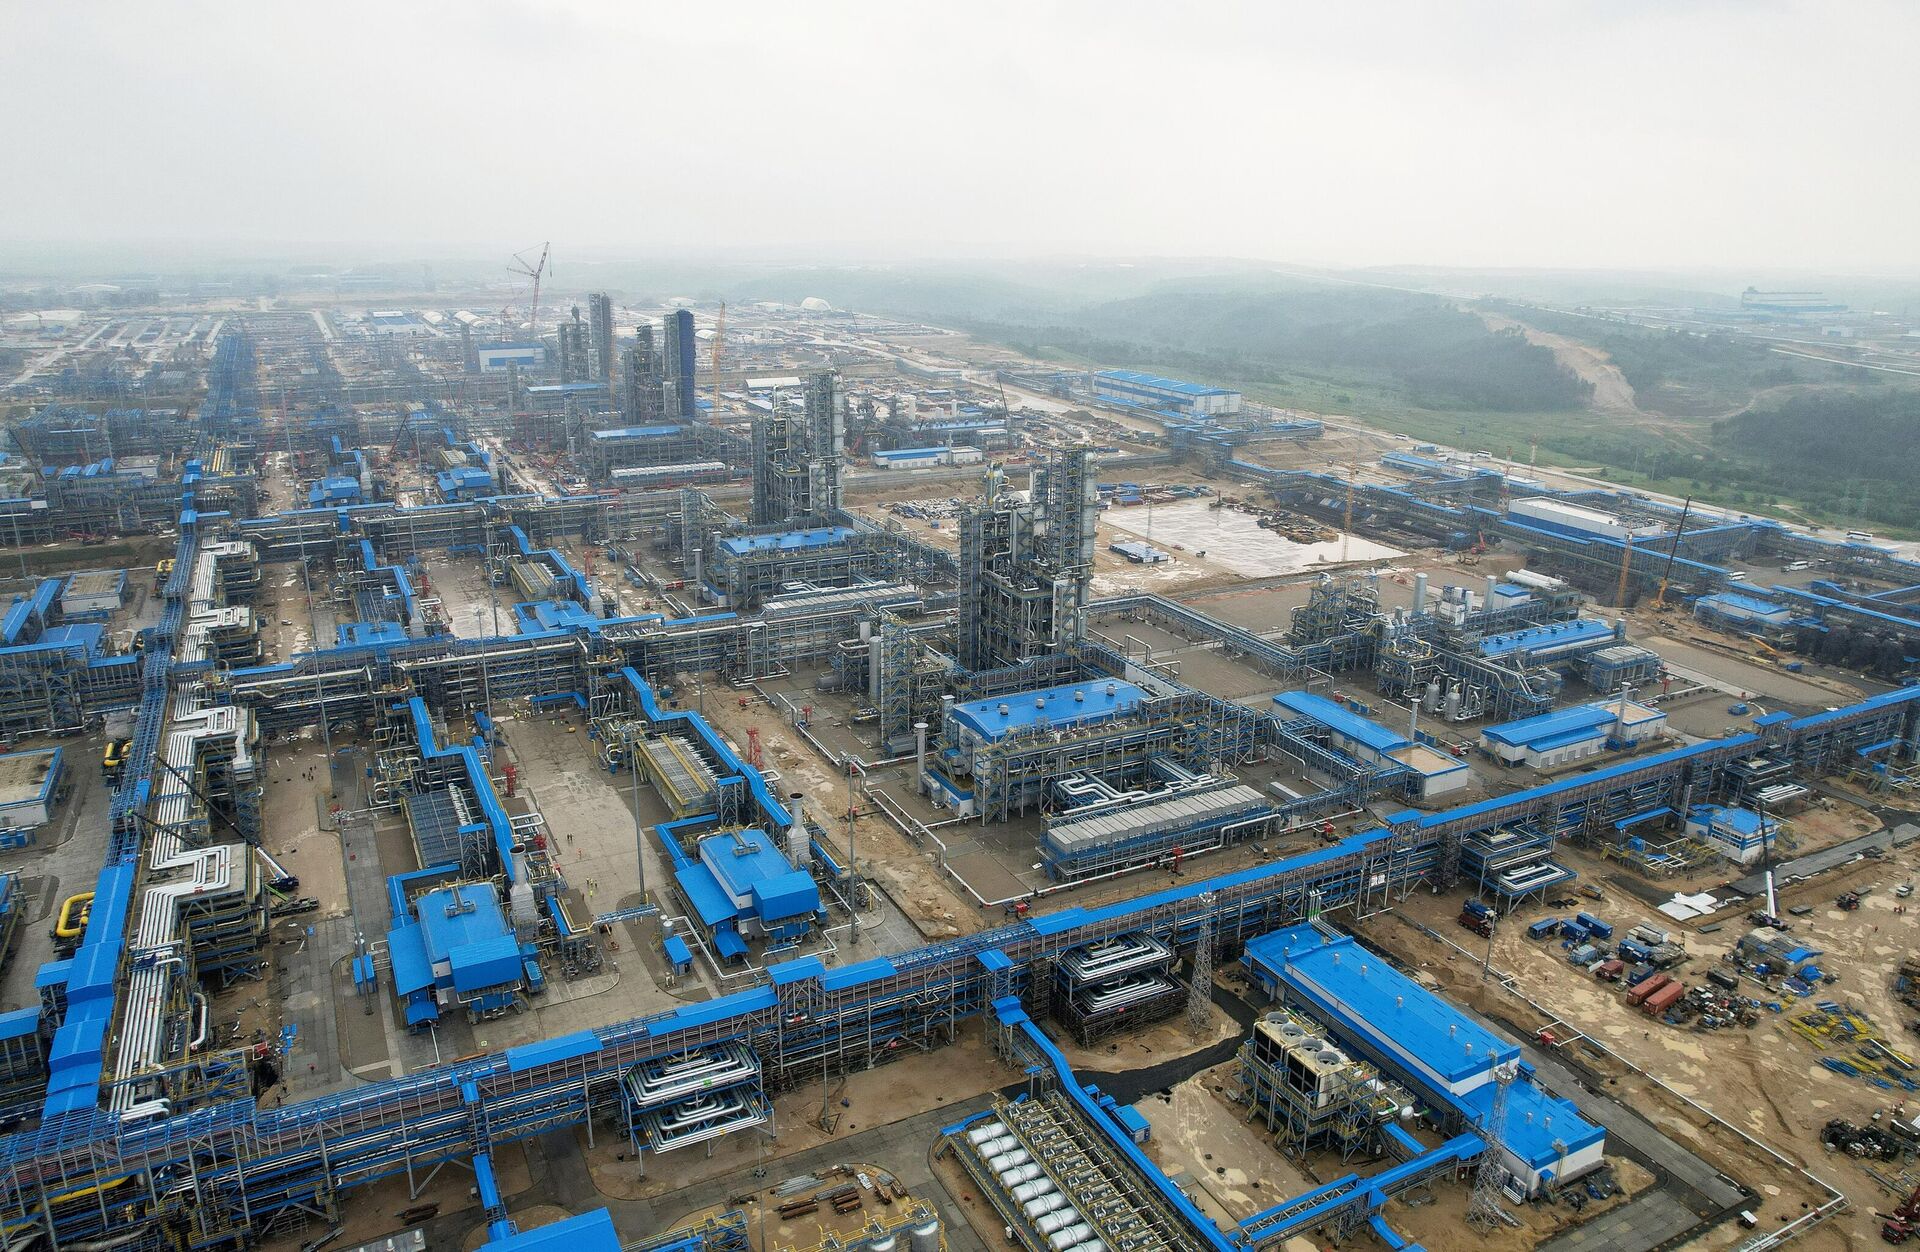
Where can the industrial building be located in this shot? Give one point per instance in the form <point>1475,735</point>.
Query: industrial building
<point>982,701</point>
<point>1434,773</point>
<point>1153,392</point>
<point>1572,734</point>
<point>1471,1078</point>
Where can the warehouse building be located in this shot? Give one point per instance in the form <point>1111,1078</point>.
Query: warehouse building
<point>1150,391</point>
<point>1572,734</point>
<point>494,357</point>
<point>1738,610</point>
<point>1545,513</point>
<point>1437,1050</point>
<point>1367,741</point>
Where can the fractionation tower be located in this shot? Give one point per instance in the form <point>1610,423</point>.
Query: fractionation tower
<point>643,397</point>
<point>600,322</point>
<point>677,353</point>
<point>1026,560</point>
<point>797,459</point>
<point>573,339</point>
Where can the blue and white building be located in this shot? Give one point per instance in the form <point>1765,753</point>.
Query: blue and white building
<point>1436,773</point>
<point>1572,734</point>
<point>1437,1050</point>
<point>1150,391</point>
<point>1737,834</point>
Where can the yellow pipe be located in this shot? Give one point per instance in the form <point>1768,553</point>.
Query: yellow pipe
<point>73,916</point>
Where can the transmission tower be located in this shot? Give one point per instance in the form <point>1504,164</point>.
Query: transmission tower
<point>1200,990</point>
<point>1483,1209</point>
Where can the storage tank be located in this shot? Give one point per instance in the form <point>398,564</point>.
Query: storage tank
<point>925,1237</point>
<point>1059,1219</point>
<point>1043,1204</point>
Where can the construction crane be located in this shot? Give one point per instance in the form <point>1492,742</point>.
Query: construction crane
<point>719,336</point>
<point>534,270</point>
<point>1899,1224</point>
<point>1660,600</point>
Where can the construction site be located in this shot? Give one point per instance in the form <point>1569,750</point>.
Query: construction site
<point>680,777</point>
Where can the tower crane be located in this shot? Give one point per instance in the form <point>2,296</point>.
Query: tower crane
<point>533,270</point>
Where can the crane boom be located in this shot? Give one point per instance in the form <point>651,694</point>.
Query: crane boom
<point>533,270</point>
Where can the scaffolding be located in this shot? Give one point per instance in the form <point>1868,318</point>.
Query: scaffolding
<point>1025,564</point>
<point>797,459</point>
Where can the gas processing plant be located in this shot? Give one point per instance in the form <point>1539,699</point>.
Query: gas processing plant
<point>764,772</point>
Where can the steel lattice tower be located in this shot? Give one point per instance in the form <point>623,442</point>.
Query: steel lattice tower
<point>1200,990</point>
<point>1483,1209</point>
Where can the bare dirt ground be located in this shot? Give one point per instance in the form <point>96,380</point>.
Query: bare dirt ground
<point>374,1210</point>
<point>874,1097</point>
<point>1767,1080</point>
<point>766,1229</point>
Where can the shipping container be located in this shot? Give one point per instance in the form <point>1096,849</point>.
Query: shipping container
<point>1639,974</point>
<point>1723,979</point>
<point>1610,971</point>
<point>1637,953</point>
<point>1663,999</point>
<point>1543,928</point>
<point>1573,930</point>
<point>1647,987</point>
<point>1595,927</point>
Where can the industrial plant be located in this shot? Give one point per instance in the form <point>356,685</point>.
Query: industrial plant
<point>688,777</point>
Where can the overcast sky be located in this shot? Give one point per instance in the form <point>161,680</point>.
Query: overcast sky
<point>1617,133</point>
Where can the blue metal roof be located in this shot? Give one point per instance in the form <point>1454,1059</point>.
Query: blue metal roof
<point>1537,1124</point>
<point>1342,720</point>
<point>910,453</point>
<point>1068,704</point>
<point>709,902</point>
<point>1558,635</point>
<point>1157,383</point>
<point>786,541</point>
<point>1746,603</point>
<point>1532,731</point>
<point>1744,822</point>
<point>1382,1001</point>
<point>589,1232</point>
<point>19,1022</point>
<point>740,859</point>
<point>476,918</point>
<point>407,952</point>
<point>486,963</point>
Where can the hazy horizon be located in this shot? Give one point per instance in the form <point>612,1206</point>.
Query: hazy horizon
<point>1650,137</point>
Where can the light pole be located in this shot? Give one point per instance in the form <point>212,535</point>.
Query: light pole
<point>639,828</point>
<point>486,682</point>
